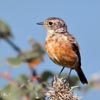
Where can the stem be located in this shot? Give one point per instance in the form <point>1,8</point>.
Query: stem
<point>10,80</point>
<point>13,45</point>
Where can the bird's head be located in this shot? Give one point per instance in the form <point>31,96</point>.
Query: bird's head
<point>54,24</point>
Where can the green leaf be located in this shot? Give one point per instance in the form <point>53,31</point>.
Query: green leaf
<point>23,57</point>
<point>4,30</point>
<point>46,75</point>
<point>14,61</point>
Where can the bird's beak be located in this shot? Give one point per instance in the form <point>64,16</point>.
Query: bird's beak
<point>40,23</point>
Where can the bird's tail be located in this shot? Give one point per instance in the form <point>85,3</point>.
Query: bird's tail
<point>81,75</point>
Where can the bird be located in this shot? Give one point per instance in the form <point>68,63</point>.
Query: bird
<point>62,47</point>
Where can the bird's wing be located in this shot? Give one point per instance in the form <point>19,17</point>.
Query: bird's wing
<point>75,46</point>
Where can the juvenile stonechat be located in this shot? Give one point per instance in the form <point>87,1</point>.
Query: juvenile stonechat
<point>62,47</point>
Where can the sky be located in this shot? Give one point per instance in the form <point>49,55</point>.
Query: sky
<point>81,17</point>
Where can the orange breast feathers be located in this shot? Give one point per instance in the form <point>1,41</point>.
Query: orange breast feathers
<point>60,51</point>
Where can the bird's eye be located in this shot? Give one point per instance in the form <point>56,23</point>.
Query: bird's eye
<point>50,23</point>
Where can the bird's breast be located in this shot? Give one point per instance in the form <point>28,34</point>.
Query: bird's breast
<point>59,50</point>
